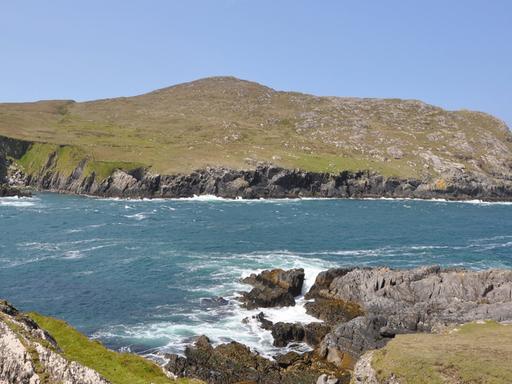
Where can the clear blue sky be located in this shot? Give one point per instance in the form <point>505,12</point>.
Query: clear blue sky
<point>456,54</point>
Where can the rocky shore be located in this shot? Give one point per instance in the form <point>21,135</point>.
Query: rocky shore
<point>362,310</point>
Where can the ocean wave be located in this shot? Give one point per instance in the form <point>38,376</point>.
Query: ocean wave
<point>18,202</point>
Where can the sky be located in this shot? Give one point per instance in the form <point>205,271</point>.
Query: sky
<point>455,54</point>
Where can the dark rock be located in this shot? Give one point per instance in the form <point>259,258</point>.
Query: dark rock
<point>284,333</point>
<point>8,191</point>
<point>235,363</point>
<point>312,333</point>
<point>264,322</point>
<point>324,280</point>
<point>212,302</point>
<point>275,288</point>
<point>267,297</point>
<point>284,361</point>
<point>290,280</point>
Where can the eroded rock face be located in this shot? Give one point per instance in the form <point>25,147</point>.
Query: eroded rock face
<point>267,181</point>
<point>417,300</point>
<point>234,362</point>
<point>29,355</point>
<point>273,288</point>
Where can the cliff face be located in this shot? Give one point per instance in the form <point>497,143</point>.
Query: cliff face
<point>29,355</point>
<point>262,182</point>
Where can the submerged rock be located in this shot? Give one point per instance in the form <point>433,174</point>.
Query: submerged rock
<point>211,302</point>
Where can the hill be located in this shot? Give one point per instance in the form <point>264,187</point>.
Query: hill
<point>236,124</point>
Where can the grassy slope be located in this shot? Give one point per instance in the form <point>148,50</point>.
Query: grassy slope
<point>234,123</point>
<point>118,368</point>
<point>475,353</point>
<point>68,158</point>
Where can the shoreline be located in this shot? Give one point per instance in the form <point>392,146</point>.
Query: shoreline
<point>213,198</point>
<point>343,339</point>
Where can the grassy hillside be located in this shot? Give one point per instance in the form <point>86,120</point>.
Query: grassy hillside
<point>228,122</point>
<point>474,353</point>
<point>118,368</point>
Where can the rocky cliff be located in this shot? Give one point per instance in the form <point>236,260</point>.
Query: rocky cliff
<point>29,355</point>
<point>58,174</point>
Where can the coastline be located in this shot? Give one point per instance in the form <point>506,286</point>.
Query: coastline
<point>353,314</point>
<point>213,198</point>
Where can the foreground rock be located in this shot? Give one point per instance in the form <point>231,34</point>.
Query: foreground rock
<point>274,288</point>
<point>311,334</point>
<point>236,363</point>
<point>406,301</point>
<point>30,355</point>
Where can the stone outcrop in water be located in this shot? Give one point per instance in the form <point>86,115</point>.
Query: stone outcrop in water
<point>275,288</point>
<point>29,355</point>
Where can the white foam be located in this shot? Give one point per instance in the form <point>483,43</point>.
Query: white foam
<point>229,322</point>
<point>20,202</point>
<point>73,255</point>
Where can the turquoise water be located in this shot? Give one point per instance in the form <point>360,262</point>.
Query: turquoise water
<point>136,274</point>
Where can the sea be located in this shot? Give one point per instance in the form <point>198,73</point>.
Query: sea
<point>140,275</point>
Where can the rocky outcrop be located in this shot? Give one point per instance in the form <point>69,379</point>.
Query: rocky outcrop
<point>290,280</point>
<point>29,355</point>
<point>8,191</point>
<point>274,288</point>
<point>236,363</point>
<point>418,300</point>
<point>311,334</point>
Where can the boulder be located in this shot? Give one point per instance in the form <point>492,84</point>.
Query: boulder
<point>273,288</point>
<point>267,297</point>
<point>284,333</point>
<point>290,280</point>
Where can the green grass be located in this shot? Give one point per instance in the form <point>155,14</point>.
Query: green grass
<point>66,160</point>
<point>234,123</point>
<point>474,353</point>
<point>118,368</point>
